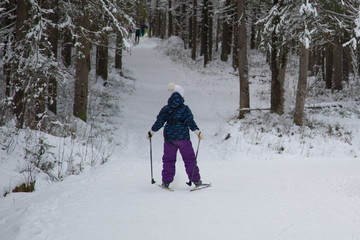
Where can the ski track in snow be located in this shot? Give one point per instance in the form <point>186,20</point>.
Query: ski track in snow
<point>282,198</point>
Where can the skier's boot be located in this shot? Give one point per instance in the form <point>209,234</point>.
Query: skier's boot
<point>198,183</point>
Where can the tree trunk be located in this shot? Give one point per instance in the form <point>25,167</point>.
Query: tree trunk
<point>278,63</point>
<point>346,65</point>
<point>118,52</point>
<point>190,32</point>
<point>254,18</point>
<point>157,21</point>
<point>53,38</point>
<point>243,60</point>
<point>82,71</point>
<point>217,38</point>
<point>302,86</point>
<point>184,34</point>
<point>329,66</point>
<point>102,60</point>
<point>151,24</point>
<point>279,91</point>
<point>194,31</point>
<point>67,48</point>
<point>8,45</point>
<point>226,37</point>
<point>205,33</point>
<point>177,21</point>
<point>338,65</point>
<point>170,19</point>
<point>210,31</point>
<point>235,45</point>
<point>20,32</point>
<point>163,24</point>
<point>312,63</point>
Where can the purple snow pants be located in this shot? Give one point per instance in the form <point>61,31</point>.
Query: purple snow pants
<point>169,160</point>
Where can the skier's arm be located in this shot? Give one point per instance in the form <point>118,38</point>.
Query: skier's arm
<point>161,118</point>
<point>192,124</point>
<point>190,120</point>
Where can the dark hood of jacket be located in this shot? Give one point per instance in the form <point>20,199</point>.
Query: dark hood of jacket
<point>176,100</point>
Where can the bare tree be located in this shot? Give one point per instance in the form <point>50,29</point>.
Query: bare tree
<point>243,60</point>
<point>302,86</point>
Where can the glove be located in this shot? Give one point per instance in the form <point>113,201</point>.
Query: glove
<point>199,134</point>
<point>150,134</point>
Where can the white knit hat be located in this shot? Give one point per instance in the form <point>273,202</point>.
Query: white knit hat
<point>176,88</point>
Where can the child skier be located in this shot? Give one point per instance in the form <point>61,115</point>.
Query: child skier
<point>178,119</point>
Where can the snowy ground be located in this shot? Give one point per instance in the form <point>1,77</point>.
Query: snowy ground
<point>309,191</point>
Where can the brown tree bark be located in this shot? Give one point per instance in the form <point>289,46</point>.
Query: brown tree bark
<point>20,32</point>
<point>157,20</point>
<point>102,60</point>
<point>254,18</point>
<point>183,31</point>
<point>329,66</point>
<point>53,38</point>
<point>338,65</point>
<point>226,37</point>
<point>210,32</point>
<point>302,86</point>
<point>278,64</point>
<point>243,60</point>
<point>205,32</point>
<point>82,71</point>
<point>170,19</point>
<point>194,31</point>
<point>163,24</point>
<point>235,45</point>
<point>7,45</point>
<point>67,48</point>
<point>118,52</point>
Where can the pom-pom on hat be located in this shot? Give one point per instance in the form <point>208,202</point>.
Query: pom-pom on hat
<point>176,88</point>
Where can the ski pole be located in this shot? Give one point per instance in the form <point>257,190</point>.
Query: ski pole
<point>193,171</point>
<point>152,178</point>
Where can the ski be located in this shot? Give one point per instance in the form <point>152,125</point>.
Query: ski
<point>166,188</point>
<point>202,186</point>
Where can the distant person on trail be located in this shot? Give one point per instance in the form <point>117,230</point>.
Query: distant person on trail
<point>137,35</point>
<point>178,119</point>
<point>142,28</point>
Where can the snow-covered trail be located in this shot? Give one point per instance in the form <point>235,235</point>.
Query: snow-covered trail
<point>251,198</point>
<point>153,72</point>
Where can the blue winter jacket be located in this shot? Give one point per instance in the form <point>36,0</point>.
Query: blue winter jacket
<point>178,119</point>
